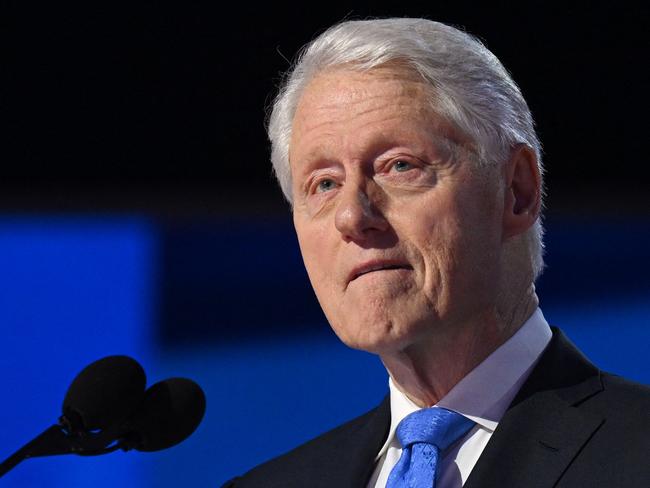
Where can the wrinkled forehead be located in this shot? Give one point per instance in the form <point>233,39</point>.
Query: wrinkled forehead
<point>341,75</point>
<point>339,95</point>
<point>335,95</point>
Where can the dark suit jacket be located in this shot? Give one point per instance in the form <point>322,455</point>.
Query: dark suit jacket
<point>571,425</point>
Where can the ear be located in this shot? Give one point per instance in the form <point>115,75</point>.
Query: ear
<point>523,190</point>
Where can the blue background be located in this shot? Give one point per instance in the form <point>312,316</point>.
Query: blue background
<point>227,303</point>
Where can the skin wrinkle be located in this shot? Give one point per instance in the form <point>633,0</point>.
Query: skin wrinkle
<point>443,311</point>
<point>444,162</point>
<point>382,155</point>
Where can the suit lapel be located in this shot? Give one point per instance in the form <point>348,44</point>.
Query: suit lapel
<point>544,428</point>
<point>353,458</point>
<point>371,439</point>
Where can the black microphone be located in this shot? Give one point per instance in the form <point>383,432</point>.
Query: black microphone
<point>103,394</point>
<point>170,411</point>
<point>107,408</point>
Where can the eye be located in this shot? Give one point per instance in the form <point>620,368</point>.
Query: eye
<point>325,185</point>
<point>401,166</point>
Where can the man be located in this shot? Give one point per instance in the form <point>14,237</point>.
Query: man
<point>414,172</point>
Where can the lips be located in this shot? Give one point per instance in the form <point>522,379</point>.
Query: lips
<point>377,265</point>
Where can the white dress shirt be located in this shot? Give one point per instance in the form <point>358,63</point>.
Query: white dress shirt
<point>482,396</point>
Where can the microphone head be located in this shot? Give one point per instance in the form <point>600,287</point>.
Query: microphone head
<point>103,393</point>
<point>170,412</point>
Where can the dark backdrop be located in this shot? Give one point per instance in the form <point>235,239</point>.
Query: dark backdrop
<point>144,106</point>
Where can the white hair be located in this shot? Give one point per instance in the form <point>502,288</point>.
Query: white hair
<point>471,88</point>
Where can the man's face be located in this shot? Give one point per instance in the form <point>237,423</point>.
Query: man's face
<point>399,231</point>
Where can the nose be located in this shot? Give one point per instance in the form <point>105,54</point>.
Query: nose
<point>357,215</point>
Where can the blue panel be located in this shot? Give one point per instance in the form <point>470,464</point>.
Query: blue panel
<point>614,334</point>
<point>72,290</point>
<point>212,269</point>
<point>595,259</point>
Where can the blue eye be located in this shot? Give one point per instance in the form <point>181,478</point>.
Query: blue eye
<point>325,185</point>
<point>402,166</point>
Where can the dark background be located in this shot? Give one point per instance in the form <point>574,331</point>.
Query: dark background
<point>161,108</point>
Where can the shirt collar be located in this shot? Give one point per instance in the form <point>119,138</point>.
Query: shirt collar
<point>486,392</point>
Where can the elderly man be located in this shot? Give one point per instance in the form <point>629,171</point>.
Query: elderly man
<point>414,172</point>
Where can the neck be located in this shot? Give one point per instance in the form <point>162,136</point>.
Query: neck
<point>427,370</point>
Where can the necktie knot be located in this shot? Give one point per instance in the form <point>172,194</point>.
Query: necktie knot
<point>436,426</point>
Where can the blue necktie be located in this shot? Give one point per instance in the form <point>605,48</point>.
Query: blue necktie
<point>424,435</point>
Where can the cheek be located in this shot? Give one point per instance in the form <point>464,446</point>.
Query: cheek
<point>436,232</point>
<point>446,239</point>
<point>316,250</point>
<point>471,250</point>
<point>441,254</point>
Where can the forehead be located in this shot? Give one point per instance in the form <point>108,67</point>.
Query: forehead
<point>342,108</point>
<point>341,94</point>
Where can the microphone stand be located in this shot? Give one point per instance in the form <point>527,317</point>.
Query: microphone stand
<point>56,440</point>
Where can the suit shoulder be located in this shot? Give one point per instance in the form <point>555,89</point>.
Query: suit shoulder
<point>617,451</point>
<point>306,464</point>
<point>624,385</point>
<point>623,393</point>
<point>624,407</point>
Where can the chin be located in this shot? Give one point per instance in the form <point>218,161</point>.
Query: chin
<point>377,335</point>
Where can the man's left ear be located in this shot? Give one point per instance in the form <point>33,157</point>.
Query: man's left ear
<point>522,197</point>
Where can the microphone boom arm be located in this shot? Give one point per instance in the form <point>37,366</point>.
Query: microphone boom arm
<point>56,441</point>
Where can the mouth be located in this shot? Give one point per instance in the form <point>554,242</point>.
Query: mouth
<point>374,266</point>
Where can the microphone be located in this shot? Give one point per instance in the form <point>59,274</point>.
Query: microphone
<point>102,394</point>
<point>107,408</point>
<point>170,412</point>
